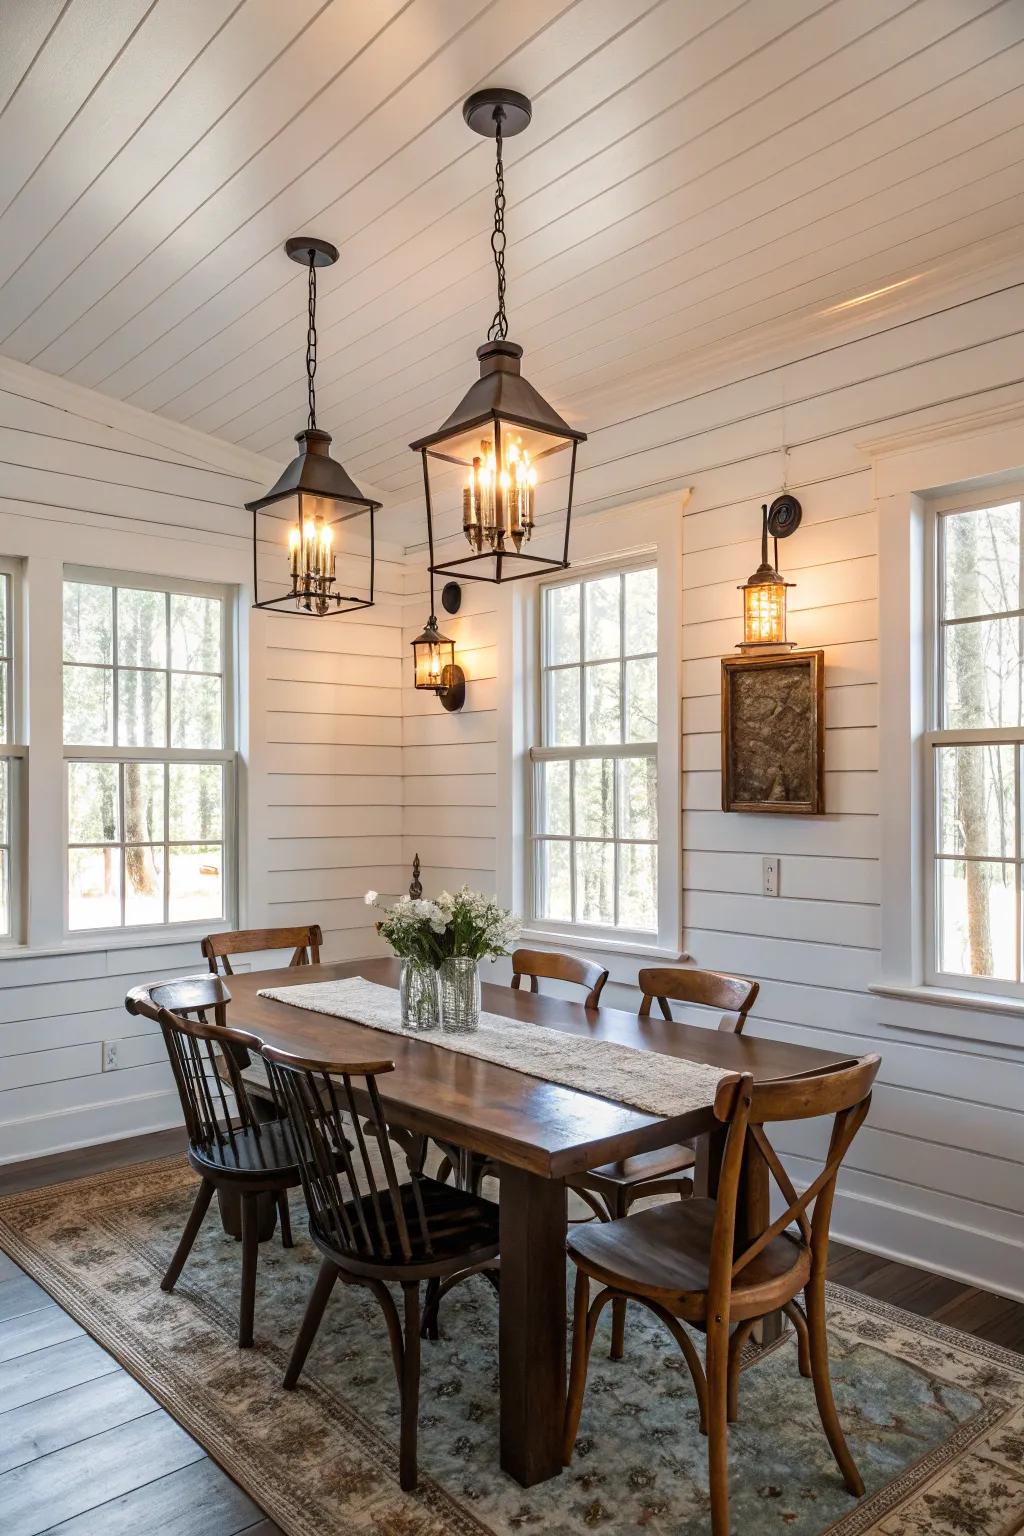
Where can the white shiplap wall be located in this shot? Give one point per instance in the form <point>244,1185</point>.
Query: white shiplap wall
<point>938,1174</point>
<point>91,481</point>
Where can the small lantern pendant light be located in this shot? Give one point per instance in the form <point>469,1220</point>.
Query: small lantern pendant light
<point>764,593</point>
<point>502,433</point>
<point>315,494</point>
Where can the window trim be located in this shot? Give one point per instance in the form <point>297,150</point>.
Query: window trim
<point>627,533</point>
<point>227,755</point>
<point>15,750</point>
<point>936,735</point>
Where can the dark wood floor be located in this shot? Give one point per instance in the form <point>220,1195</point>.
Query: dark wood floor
<point>85,1451</point>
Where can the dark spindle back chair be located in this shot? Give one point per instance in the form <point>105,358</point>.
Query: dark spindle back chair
<point>370,1227</point>
<point>691,1261</point>
<point>237,1153</point>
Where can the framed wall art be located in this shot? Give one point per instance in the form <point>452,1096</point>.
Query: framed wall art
<point>773,733</point>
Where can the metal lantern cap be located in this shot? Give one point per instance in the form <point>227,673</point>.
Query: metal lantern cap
<point>431,635</point>
<point>501,393</point>
<point>314,473</point>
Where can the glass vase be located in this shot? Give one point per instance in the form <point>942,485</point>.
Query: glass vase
<point>418,991</point>
<point>459,984</point>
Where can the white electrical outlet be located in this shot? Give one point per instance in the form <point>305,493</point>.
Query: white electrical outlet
<point>770,871</point>
<point>110,1055</point>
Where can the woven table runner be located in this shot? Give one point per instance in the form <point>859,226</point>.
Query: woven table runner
<point>647,1080</point>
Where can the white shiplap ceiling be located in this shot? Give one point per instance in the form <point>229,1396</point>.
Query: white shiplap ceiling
<point>695,170</point>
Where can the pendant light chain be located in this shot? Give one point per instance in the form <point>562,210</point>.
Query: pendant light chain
<point>498,329</point>
<point>311,343</point>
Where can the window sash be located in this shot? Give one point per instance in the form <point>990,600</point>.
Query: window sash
<point>615,751</point>
<point>122,753</point>
<point>939,735</point>
<point>167,844</point>
<point>171,587</point>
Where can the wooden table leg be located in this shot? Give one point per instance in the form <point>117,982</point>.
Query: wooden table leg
<point>532,1325</point>
<point>754,1211</point>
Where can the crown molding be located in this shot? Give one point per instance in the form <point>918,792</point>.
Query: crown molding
<point>971,424</point>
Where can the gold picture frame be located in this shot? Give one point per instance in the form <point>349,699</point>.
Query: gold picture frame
<point>773,733</point>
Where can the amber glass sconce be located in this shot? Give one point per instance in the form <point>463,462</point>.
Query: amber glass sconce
<point>764,593</point>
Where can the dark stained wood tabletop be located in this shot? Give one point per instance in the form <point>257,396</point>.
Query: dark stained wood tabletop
<point>517,1119</point>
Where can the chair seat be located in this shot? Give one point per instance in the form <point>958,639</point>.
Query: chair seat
<point>462,1228</point>
<point>641,1169</point>
<point>249,1157</point>
<point>664,1252</point>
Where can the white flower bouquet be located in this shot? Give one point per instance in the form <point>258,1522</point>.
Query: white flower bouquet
<point>465,924</point>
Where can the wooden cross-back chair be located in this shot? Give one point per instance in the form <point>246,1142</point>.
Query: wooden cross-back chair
<point>234,1149</point>
<point>534,963</point>
<point>689,1261</point>
<point>611,1189</point>
<point>370,1228</point>
<point>305,943</point>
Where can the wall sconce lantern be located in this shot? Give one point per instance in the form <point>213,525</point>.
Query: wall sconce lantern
<point>315,495</point>
<point>764,593</point>
<point>502,433</point>
<point>434,665</point>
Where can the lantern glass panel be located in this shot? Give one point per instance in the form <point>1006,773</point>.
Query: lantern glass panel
<point>764,613</point>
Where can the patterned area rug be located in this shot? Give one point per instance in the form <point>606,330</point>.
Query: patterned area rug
<point>935,1418</point>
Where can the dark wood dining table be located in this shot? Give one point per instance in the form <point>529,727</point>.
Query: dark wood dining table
<point>538,1132</point>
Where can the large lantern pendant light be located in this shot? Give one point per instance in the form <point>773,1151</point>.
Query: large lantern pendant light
<point>314,497</point>
<point>502,436</point>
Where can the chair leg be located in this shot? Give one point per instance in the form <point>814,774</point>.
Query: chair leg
<point>814,1298</point>
<point>204,1195</point>
<point>319,1297</point>
<point>582,1335</point>
<point>285,1218</point>
<point>739,1338</point>
<point>250,1255</point>
<point>618,1347</point>
<point>717,1372</point>
<point>796,1317</point>
<point>410,1388</point>
<point>430,1327</point>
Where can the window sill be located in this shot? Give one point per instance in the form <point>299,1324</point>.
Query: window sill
<point>152,938</point>
<point>950,997</point>
<point>574,940</point>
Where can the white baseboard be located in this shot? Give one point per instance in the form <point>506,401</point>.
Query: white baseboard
<point>982,1259</point>
<point>68,1130</point>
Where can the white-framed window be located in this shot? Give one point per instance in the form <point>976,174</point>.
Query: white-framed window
<point>149,760</point>
<point>12,751</point>
<point>593,766</point>
<point>973,774</point>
